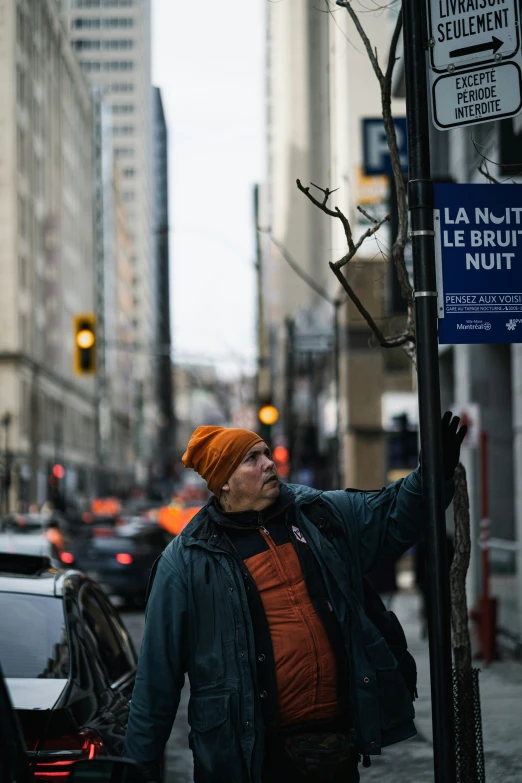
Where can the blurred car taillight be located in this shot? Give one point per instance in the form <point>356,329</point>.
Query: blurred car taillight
<point>103,532</point>
<point>124,558</point>
<point>86,744</point>
<point>67,557</point>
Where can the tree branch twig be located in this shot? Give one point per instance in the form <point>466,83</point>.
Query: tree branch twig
<point>372,54</point>
<point>367,234</point>
<point>331,212</point>
<point>386,342</point>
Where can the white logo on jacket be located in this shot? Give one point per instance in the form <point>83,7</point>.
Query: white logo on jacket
<point>297,533</point>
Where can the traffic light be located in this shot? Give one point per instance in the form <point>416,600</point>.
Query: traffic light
<point>281,457</point>
<point>84,350</point>
<point>58,471</point>
<point>268,416</point>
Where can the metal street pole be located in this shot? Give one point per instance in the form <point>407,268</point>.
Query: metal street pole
<point>263,380</point>
<point>289,394</point>
<point>336,474</point>
<point>420,203</point>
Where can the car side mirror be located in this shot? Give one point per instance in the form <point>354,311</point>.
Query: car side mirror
<point>107,770</point>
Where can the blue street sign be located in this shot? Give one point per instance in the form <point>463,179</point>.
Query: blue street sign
<point>478,247</point>
<point>376,155</point>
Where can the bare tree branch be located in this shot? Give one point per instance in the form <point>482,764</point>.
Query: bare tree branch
<point>367,215</point>
<point>386,342</point>
<point>494,162</point>
<point>368,233</point>
<point>399,242</point>
<point>385,83</point>
<point>327,192</point>
<point>364,38</point>
<point>485,173</point>
<point>333,213</point>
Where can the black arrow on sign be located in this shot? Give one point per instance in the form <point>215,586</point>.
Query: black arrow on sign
<point>495,45</point>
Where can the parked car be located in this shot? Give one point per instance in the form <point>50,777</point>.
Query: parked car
<point>68,661</point>
<point>16,766</point>
<point>119,557</point>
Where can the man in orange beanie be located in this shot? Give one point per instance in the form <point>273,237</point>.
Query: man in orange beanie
<point>260,600</point>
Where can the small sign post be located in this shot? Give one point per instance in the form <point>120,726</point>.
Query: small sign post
<point>475,61</point>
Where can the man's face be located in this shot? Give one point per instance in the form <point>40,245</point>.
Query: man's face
<point>254,485</point>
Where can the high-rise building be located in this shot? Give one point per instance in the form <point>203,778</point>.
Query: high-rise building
<point>112,42</point>
<point>46,254</point>
<point>115,312</point>
<point>164,389</point>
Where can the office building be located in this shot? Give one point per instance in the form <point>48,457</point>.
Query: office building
<point>46,254</point>
<point>112,42</point>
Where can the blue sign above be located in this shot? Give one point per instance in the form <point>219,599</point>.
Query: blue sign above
<point>376,155</point>
<point>478,246</point>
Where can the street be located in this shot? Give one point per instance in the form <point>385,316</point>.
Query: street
<point>412,761</point>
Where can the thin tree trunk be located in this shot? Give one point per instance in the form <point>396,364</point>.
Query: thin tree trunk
<point>465,728</point>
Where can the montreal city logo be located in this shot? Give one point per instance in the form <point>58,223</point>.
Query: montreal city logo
<point>485,325</point>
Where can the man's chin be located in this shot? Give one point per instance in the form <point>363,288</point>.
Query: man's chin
<point>273,488</point>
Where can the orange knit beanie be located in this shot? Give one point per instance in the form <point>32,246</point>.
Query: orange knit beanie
<point>215,453</point>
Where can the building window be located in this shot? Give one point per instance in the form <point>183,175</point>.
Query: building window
<point>120,88</point>
<point>91,44</point>
<point>23,271</point>
<point>102,3</point>
<point>129,195</point>
<point>24,333</point>
<point>21,86</point>
<point>21,149</point>
<point>123,108</point>
<point>118,65</point>
<point>22,217</point>
<point>129,173</point>
<point>25,412</point>
<point>90,66</point>
<point>123,130</point>
<point>96,24</point>
<point>124,152</point>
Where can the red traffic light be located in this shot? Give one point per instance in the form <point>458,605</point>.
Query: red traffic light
<point>281,455</point>
<point>58,471</point>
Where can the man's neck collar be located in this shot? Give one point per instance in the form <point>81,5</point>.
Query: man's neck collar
<point>251,519</point>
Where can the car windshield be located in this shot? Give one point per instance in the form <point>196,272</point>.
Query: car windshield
<point>33,640</point>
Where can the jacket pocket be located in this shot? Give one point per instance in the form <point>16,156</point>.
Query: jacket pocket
<point>213,739</point>
<point>395,702</point>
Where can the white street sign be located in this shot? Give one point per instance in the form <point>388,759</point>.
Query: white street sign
<point>475,61</point>
<point>472,32</point>
<point>478,95</point>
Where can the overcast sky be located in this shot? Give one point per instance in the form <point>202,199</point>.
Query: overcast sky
<point>208,61</point>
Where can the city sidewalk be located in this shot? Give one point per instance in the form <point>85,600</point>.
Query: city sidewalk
<point>501,699</point>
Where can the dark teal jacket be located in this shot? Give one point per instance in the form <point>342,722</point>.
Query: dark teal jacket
<point>198,622</point>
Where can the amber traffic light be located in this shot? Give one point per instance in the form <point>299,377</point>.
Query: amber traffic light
<point>268,415</point>
<point>84,348</point>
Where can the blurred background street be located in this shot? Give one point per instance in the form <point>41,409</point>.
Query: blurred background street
<point>161,270</point>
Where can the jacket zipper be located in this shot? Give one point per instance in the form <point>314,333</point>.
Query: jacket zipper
<point>273,547</point>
